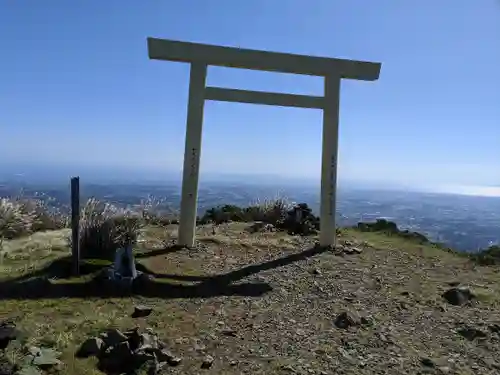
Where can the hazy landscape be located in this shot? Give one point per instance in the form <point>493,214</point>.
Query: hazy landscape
<point>464,222</point>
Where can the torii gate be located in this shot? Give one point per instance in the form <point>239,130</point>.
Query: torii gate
<point>200,56</point>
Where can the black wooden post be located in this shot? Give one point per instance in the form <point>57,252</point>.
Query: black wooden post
<point>75,224</point>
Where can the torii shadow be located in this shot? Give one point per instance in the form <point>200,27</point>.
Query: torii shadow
<point>204,286</point>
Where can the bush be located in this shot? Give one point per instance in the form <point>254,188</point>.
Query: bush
<point>46,218</point>
<point>488,257</point>
<point>23,216</point>
<point>380,225</point>
<point>104,229</point>
<point>271,211</point>
<point>224,214</point>
<point>153,212</point>
<point>15,219</point>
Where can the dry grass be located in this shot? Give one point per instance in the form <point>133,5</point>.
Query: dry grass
<point>21,216</point>
<point>104,228</point>
<point>271,210</point>
<point>289,329</point>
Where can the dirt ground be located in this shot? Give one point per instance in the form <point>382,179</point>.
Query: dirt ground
<point>267,303</point>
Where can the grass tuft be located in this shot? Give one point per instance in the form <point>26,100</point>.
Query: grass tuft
<point>104,228</point>
<point>21,217</point>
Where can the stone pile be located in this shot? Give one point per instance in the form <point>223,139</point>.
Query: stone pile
<point>348,248</point>
<point>260,226</point>
<point>300,220</point>
<point>128,352</point>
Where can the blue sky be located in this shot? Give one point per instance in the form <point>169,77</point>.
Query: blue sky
<point>77,87</point>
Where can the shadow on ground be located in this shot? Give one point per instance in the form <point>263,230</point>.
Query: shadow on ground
<point>158,252</point>
<point>53,282</point>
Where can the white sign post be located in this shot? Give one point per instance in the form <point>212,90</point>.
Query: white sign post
<point>202,55</point>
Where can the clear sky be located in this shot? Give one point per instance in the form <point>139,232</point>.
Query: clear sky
<point>77,87</point>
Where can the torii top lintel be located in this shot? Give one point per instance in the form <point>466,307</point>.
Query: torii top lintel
<point>171,50</point>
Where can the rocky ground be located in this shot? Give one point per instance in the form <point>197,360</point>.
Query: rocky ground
<point>272,303</point>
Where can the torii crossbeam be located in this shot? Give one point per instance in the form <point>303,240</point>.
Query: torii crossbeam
<point>200,56</point>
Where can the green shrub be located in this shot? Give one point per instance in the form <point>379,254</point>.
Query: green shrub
<point>488,257</point>
<point>271,211</point>
<point>390,228</point>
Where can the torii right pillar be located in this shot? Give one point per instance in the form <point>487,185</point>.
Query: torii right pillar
<point>329,161</point>
<point>330,145</point>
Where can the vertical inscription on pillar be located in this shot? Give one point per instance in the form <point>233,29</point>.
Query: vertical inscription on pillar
<point>194,156</point>
<point>192,166</point>
<point>331,188</point>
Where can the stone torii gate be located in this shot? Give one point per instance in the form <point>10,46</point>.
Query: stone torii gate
<point>200,56</point>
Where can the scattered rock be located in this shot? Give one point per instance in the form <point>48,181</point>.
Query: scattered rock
<point>166,356</point>
<point>149,367</point>
<point>495,328</point>
<point>141,311</point>
<point>148,340</point>
<point>352,250</point>
<point>229,332</point>
<point>260,226</point>
<point>113,337</point>
<point>143,357</point>
<point>347,319</point>
<point>90,347</point>
<point>199,347</point>
<point>129,352</point>
<point>346,249</point>
<point>8,333</point>
<point>471,333</point>
<point>208,361</point>
<point>174,361</point>
<point>458,296</point>
<point>367,321</point>
<point>44,358</point>
<point>444,370</point>
<point>121,352</point>
<point>427,362</point>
